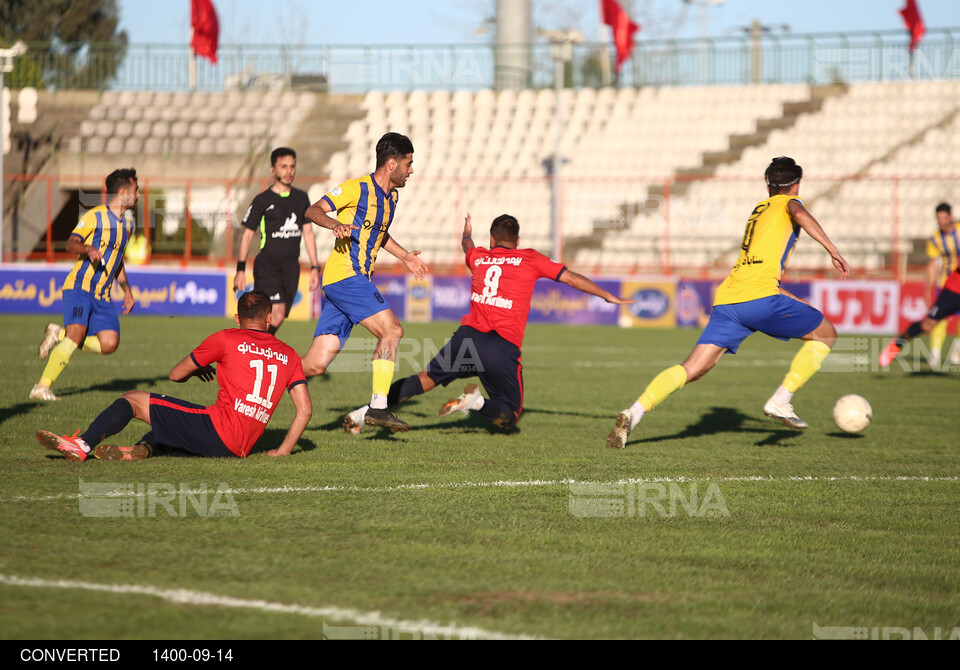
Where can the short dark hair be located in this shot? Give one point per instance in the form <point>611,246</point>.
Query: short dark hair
<point>944,207</point>
<point>253,306</point>
<point>119,179</point>
<point>505,228</point>
<point>782,173</point>
<point>393,145</point>
<point>279,153</point>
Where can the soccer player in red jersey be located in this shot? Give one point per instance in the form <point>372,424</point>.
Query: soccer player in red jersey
<point>947,303</point>
<point>253,370</point>
<point>487,344</point>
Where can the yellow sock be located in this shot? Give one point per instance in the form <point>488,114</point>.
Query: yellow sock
<point>805,364</point>
<point>92,345</point>
<point>665,383</point>
<point>59,357</point>
<point>382,378</point>
<point>937,337</point>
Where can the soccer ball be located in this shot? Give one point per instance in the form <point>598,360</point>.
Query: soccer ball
<point>852,413</point>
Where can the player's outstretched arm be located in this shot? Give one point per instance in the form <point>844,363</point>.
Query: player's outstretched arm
<point>805,220</point>
<point>301,400</point>
<point>187,368</point>
<point>581,283</point>
<point>466,241</point>
<point>410,258</point>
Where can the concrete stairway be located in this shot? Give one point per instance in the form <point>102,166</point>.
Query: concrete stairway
<point>711,161</point>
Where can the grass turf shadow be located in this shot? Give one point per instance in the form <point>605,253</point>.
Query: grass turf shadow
<point>724,420</point>
<point>272,438</point>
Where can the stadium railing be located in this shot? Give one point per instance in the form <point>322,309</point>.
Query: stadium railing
<point>768,58</point>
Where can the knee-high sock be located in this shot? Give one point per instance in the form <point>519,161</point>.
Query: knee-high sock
<point>805,364</point>
<point>109,422</point>
<point>382,376</point>
<point>59,357</point>
<point>665,383</point>
<point>404,389</point>
<point>92,345</point>
<point>937,337</point>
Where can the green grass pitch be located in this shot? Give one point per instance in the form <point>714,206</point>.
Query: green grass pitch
<point>771,532</point>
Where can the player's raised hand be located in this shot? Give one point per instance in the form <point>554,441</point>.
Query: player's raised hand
<point>342,230</point>
<point>415,265</point>
<point>467,226</point>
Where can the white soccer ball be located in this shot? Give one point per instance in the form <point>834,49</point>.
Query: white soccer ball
<point>852,413</point>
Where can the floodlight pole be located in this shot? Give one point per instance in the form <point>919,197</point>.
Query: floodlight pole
<point>559,63</point>
<point>3,133</point>
<point>6,65</point>
<point>562,52</point>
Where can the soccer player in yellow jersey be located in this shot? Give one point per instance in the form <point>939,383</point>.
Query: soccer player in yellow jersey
<point>943,252</point>
<point>365,209</point>
<point>751,300</point>
<point>89,317</point>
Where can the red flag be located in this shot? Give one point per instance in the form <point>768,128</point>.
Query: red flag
<point>623,29</point>
<point>206,29</point>
<point>911,17</point>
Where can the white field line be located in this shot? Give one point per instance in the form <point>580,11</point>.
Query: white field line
<point>426,629</point>
<point>127,493</point>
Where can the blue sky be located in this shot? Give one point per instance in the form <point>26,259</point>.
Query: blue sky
<point>457,21</point>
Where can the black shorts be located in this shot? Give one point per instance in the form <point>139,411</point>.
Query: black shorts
<point>947,303</point>
<point>472,353</point>
<point>278,277</point>
<point>177,428</point>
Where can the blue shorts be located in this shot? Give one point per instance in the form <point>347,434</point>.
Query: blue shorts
<point>473,353</point>
<point>178,429</point>
<point>81,307</point>
<point>349,301</point>
<point>778,316</point>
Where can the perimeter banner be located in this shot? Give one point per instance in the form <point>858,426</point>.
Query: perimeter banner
<point>555,302</point>
<point>28,289</point>
<point>302,309</point>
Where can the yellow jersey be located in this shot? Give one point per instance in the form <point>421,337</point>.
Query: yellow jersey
<point>363,203</point>
<point>768,241</point>
<point>99,228</point>
<point>945,246</point>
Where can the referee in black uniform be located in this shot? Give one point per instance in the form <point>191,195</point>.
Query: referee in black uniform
<point>278,213</point>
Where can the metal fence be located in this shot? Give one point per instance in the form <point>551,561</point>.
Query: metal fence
<point>620,225</point>
<point>814,58</point>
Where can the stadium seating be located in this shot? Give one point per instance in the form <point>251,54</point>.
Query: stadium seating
<point>489,152</point>
<point>162,121</point>
<point>867,152</point>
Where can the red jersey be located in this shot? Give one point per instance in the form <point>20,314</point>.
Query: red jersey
<point>253,370</point>
<point>953,282</point>
<point>503,281</point>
